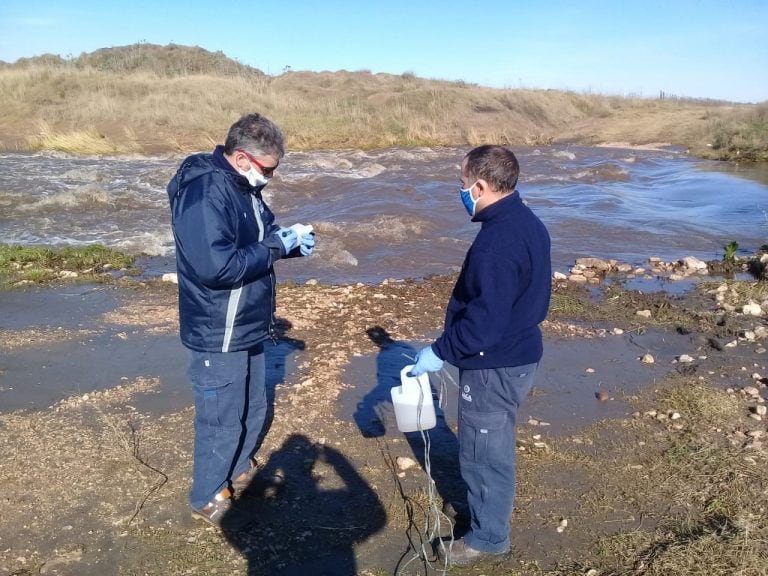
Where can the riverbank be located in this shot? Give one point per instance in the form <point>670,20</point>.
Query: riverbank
<point>640,449</point>
<point>177,99</point>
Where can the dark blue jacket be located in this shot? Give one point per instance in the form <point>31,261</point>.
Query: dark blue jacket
<point>502,293</point>
<point>225,250</point>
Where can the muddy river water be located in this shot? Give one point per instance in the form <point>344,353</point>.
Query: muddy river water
<point>396,213</point>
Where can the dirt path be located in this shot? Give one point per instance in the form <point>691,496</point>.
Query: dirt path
<point>667,468</point>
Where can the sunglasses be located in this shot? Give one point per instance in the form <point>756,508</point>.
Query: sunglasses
<point>267,171</point>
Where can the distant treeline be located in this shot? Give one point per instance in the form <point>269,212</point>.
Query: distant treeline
<point>146,98</point>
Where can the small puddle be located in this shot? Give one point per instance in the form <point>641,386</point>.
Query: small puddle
<point>564,396</point>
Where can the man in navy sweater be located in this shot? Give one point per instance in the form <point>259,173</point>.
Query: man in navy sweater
<point>492,335</point>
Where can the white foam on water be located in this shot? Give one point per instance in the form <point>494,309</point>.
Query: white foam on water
<point>151,244</point>
<point>87,196</point>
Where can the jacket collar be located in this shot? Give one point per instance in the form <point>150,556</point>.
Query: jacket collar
<point>220,161</point>
<point>498,208</point>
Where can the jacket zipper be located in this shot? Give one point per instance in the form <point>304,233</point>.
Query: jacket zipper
<point>272,329</point>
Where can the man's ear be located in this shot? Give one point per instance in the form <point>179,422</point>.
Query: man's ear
<point>482,187</point>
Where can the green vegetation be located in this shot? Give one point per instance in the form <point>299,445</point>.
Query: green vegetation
<point>150,99</point>
<point>32,264</point>
<point>730,251</point>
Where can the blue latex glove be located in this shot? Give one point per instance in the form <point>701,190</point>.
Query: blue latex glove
<point>307,244</point>
<point>288,238</point>
<point>426,361</point>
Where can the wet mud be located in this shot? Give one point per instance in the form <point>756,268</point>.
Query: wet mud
<point>122,457</point>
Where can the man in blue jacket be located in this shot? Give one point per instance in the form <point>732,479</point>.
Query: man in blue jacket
<point>492,335</point>
<point>227,243</point>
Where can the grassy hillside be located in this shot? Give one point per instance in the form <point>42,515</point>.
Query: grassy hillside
<point>146,99</point>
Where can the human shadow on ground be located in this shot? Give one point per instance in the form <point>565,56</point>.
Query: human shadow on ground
<point>276,355</point>
<point>309,526</point>
<point>375,419</point>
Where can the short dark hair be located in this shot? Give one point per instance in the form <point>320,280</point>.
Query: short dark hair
<point>257,135</point>
<point>496,165</point>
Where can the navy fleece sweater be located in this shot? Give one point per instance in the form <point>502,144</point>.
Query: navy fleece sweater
<point>502,294</point>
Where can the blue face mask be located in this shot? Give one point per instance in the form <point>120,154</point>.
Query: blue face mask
<point>466,198</point>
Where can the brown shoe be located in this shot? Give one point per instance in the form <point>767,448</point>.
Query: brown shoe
<point>244,480</point>
<point>254,484</point>
<point>214,511</point>
<point>462,554</point>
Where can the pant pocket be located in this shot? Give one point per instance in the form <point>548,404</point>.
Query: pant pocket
<point>219,401</point>
<point>483,438</point>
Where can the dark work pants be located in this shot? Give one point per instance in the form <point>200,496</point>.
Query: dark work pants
<point>488,403</point>
<point>230,408</point>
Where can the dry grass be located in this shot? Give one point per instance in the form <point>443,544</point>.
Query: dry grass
<point>701,496</point>
<point>150,99</point>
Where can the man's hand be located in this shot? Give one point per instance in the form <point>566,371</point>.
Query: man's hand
<point>426,361</point>
<point>288,238</point>
<point>307,244</point>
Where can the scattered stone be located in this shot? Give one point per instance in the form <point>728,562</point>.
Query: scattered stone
<point>579,278</point>
<point>732,344</point>
<point>693,263</point>
<point>590,370</point>
<point>562,525</point>
<point>68,274</point>
<point>643,313</point>
<point>533,422</point>
<point>404,463</point>
<point>602,395</point>
<point>751,391</point>
<point>647,359</point>
<point>171,277</point>
<point>685,359</point>
<point>675,416</point>
<point>595,263</point>
<point>559,276</point>
<point>752,309</point>
<point>756,417</point>
<point>760,410</point>
<point>755,433</point>
<point>617,331</point>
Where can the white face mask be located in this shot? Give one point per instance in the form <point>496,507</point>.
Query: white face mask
<point>254,177</point>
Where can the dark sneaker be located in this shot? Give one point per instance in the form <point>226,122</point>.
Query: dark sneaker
<point>214,511</point>
<point>462,554</point>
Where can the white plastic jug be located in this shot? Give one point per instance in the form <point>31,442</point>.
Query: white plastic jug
<point>414,408</point>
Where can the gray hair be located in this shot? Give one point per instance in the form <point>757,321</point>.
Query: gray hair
<point>256,135</point>
<point>496,165</point>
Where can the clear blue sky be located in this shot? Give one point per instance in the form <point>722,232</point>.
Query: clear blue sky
<point>699,48</point>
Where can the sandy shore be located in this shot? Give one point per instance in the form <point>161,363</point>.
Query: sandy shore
<point>625,466</point>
